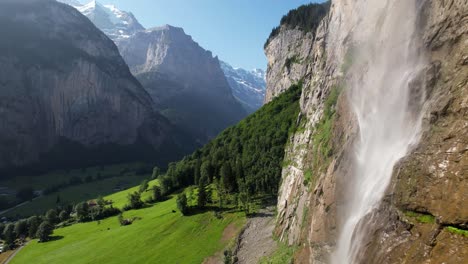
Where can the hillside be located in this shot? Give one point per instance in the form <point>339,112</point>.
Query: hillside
<point>158,236</point>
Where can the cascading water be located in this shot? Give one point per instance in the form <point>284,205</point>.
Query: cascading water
<point>387,59</point>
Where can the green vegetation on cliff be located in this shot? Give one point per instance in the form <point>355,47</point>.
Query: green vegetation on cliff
<point>306,18</point>
<point>320,156</point>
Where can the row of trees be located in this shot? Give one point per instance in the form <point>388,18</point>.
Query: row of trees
<point>40,227</point>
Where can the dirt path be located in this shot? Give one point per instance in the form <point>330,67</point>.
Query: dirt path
<point>14,254</point>
<point>257,239</point>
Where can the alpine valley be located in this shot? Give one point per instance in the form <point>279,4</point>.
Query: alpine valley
<point>126,144</point>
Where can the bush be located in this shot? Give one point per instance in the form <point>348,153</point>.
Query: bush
<point>124,222</point>
<point>134,200</point>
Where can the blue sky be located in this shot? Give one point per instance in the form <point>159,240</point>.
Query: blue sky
<point>235,30</point>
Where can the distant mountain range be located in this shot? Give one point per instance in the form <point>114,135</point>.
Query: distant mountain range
<point>185,81</point>
<point>248,87</point>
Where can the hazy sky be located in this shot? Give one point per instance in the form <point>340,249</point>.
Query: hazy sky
<point>235,30</point>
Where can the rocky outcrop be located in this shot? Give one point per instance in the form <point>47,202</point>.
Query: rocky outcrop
<point>422,219</point>
<point>184,79</point>
<point>67,96</point>
<point>287,56</point>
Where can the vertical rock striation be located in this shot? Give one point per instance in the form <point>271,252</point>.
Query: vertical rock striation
<point>422,217</point>
<point>65,92</point>
<point>184,79</point>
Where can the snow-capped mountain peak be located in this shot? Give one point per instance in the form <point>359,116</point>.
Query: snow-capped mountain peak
<point>115,23</point>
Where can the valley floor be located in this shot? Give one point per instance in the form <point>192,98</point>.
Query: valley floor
<point>160,234</point>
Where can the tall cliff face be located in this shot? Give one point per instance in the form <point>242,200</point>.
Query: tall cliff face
<point>184,79</point>
<point>65,91</point>
<point>422,217</point>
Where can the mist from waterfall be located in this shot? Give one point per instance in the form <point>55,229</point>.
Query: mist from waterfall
<point>387,102</point>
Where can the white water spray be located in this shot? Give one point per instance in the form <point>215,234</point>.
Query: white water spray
<point>387,59</point>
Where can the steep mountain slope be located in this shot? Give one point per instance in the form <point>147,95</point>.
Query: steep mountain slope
<point>67,96</point>
<point>248,87</point>
<point>117,24</point>
<point>415,222</point>
<point>184,79</point>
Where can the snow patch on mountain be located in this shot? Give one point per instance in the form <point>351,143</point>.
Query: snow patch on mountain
<point>115,23</point>
<point>247,86</point>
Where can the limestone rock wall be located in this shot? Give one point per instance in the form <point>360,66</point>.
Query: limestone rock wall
<point>428,184</point>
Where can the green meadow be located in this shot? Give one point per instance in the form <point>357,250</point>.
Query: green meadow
<point>158,235</point>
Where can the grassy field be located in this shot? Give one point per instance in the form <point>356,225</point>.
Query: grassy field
<point>76,193</point>
<point>160,236</point>
<point>120,199</point>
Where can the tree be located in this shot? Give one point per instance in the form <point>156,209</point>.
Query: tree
<point>52,216</point>
<point>244,200</point>
<point>82,211</point>
<point>221,193</point>
<point>25,194</point>
<point>157,194</point>
<point>166,185</point>
<point>9,234</point>
<point>64,215</point>
<point>143,186</point>
<point>182,203</point>
<point>156,172</point>
<point>227,178</point>
<point>201,194</point>
<point>134,200</point>
<point>206,171</point>
<point>33,225</point>
<point>21,228</point>
<point>44,231</point>
<point>100,201</point>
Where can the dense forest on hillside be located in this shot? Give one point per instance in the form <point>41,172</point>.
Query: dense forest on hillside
<point>246,158</point>
<point>306,17</point>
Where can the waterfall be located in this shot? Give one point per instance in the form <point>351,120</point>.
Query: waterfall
<point>387,60</point>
